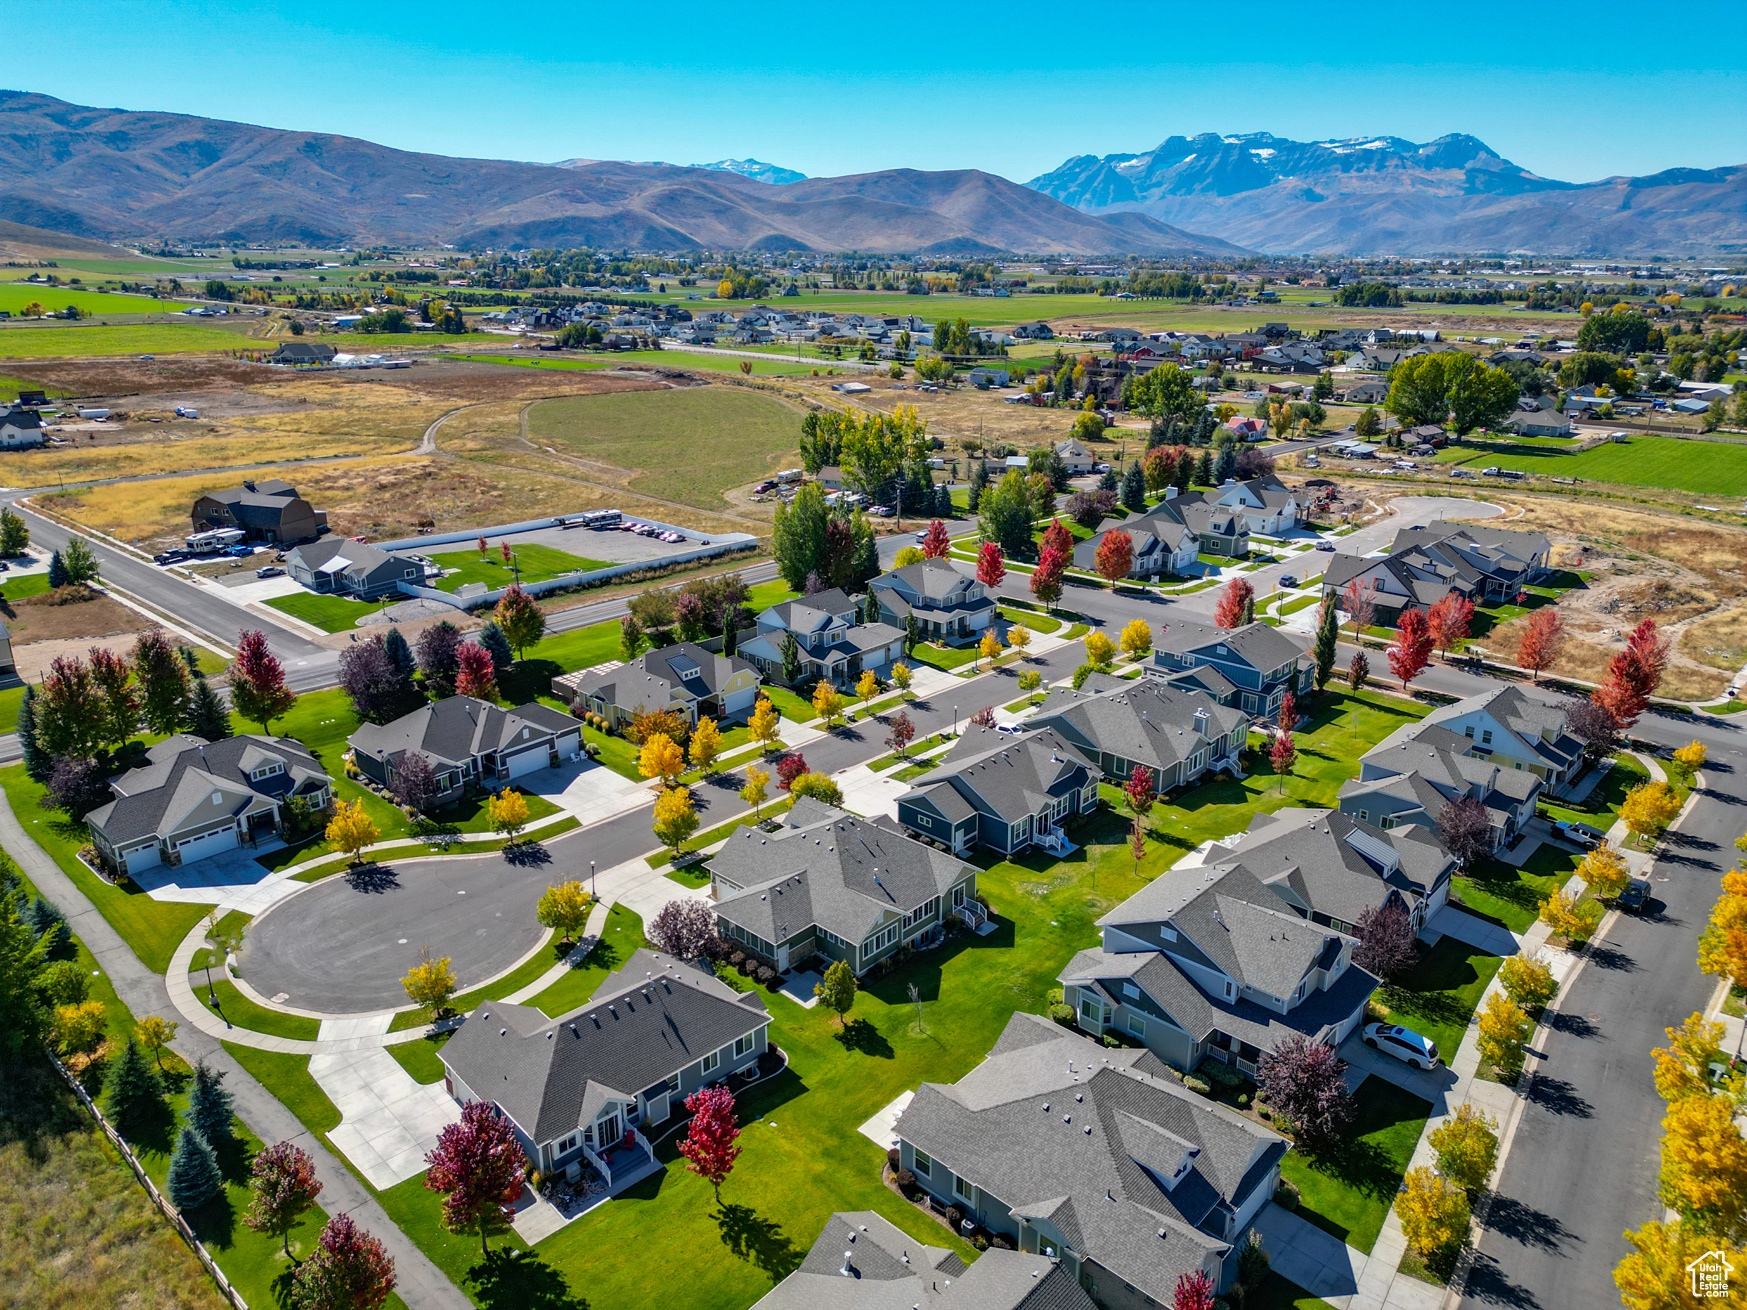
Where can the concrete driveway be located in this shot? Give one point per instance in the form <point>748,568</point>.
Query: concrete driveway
<point>590,791</point>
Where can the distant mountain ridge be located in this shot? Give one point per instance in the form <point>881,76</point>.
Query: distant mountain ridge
<point>109,173</point>
<point>757,170</point>
<point>1386,195</point>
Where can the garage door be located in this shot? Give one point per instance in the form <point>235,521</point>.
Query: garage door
<point>569,744</point>
<point>146,857</point>
<point>528,762</point>
<point>212,843</point>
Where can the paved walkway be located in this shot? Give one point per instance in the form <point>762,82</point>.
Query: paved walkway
<point>389,1122</point>
<point>1464,927</point>
<point>882,1129</point>
<point>587,790</point>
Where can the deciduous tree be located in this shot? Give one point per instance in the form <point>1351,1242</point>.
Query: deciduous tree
<point>1634,674</point>
<point>154,1032</point>
<point>1234,601</point>
<point>1503,1028</point>
<point>902,677</point>
<point>1722,946</point>
<point>706,745</point>
<point>257,682</point>
<point>1528,980</point>
<point>1282,755</point>
<point>990,646</point>
<point>757,788</point>
<point>1593,724</point>
<point>282,1188</point>
<point>415,781</point>
<point>1569,915</point>
<point>1604,871</point>
<point>710,1144</point>
<point>1542,641</point>
<point>1649,808</point>
<point>564,907</point>
<point>936,542</point>
<point>1137,638</point>
<point>374,683</point>
<point>162,681</point>
<point>431,982</point>
<point>661,758</point>
<point>788,768</point>
<point>821,787</point>
<point>1691,757</point>
<point>1114,556</point>
<point>1358,671</point>
<point>1194,1291</point>
<point>1046,578</point>
<point>900,732</point>
<point>1467,1146</point>
<point>1100,651</point>
<point>350,829</point>
<point>475,673</point>
<point>675,818</point>
<point>70,720</point>
<point>1433,1211</point>
<point>684,929</point>
<point>521,620</point>
<point>1140,792</point>
<point>476,1167</point>
<point>991,565</point>
<point>828,703</point>
<point>1448,620</point>
<point>508,812</point>
<point>1360,604</point>
<point>837,989</point>
<point>1387,946</point>
<point>1656,1275</point>
<point>1302,1080</point>
<point>1704,1165</point>
<point>348,1270</point>
<point>1465,827</point>
<point>1019,638</point>
<point>765,724</point>
<point>1411,650</point>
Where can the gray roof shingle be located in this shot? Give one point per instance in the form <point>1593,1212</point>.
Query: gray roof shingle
<point>453,730</point>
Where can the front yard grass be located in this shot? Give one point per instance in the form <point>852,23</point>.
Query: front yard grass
<point>1513,896</point>
<point>1044,623</point>
<point>622,935</point>
<point>1438,997</point>
<point>948,659</point>
<point>536,563</point>
<point>240,1012</point>
<point>550,953</point>
<point>1347,1189</point>
<point>419,1058</point>
<point>329,613</point>
<point>719,833</point>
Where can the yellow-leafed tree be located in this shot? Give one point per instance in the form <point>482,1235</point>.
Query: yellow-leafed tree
<point>867,687</point>
<point>1657,1274</point>
<point>675,819</point>
<point>1722,946</point>
<point>1691,756</point>
<point>508,811</point>
<point>1528,980</point>
<point>1570,915</point>
<point>828,703</point>
<point>1019,637</point>
<point>1504,1027</point>
<point>765,723</point>
<point>1683,1066</point>
<point>902,676</point>
<point>1704,1164</point>
<point>756,789</point>
<point>351,829</point>
<point>564,908</point>
<point>990,645</point>
<point>430,983</point>
<point>154,1032</point>
<point>661,758</point>
<point>1649,808</point>
<point>78,1028</point>
<point>1137,638</point>
<point>706,744</point>
<point>1467,1146</point>
<point>1100,651</point>
<point>1604,871</point>
<point>1433,1211</point>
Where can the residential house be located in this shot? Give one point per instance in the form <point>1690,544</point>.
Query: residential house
<point>1372,391</point>
<point>1076,456</point>
<point>1420,769</point>
<point>1426,562</point>
<point>342,567</point>
<point>831,641</point>
<point>1246,429</point>
<point>832,884</point>
<point>1095,1157</point>
<point>466,740</point>
<point>1179,734</point>
<point>987,377</point>
<point>1162,543</point>
<point>1260,663</point>
<point>1527,422</point>
<point>194,798</point>
<point>1002,791</point>
<point>686,678</point>
<point>21,428</point>
<point>1268,504</point>
<point>1512,728</point>
<point>861,1261</point>
<point>582,1087</point>
<point>1219,961</point>
<point>947,605</point>
<point>1036,330</point>
<point>302,352</point>
<point>269,511</point>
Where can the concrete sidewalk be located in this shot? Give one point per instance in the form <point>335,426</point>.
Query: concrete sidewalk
<point>389,1122</point>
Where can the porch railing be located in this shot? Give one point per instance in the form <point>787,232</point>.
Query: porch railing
<point>599,1162</point>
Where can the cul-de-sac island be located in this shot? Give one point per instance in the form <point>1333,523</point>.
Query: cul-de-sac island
<point>633,736</point>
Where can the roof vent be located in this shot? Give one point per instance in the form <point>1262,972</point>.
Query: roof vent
<point>503,1032</point>
<point>848,1270</point>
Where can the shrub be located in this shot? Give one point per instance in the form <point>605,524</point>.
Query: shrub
<point>892,1157</point>
<point>766,975</point>
<point>954,1217</point>
<point>979,1241</point>
<point>1062,1014</point>
<point>1054,996</point>
<point>906,1182</point>
<point>1287,1196</point>
<point>1243,1098</point>
<point>1197,1085</point>
<point>737,958</point>
<point>1001,1242</point>
<point>1223,1076</point>
<point>747,968</point>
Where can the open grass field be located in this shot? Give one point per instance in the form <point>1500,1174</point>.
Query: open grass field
<point>712,363</point>
<point>329,613</point>
<point>27,342</point>
<point>532,361</point>
<point>535,562</point>
<point>10,387</point>
<point>1712,468</point>
<point>688,445</point>
<point>169,452</point>
<point>14,296</point>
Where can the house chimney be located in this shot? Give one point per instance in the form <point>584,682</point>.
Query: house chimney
<point>248,484</point>
<point>1201,722</point>
<point>1170,493</point>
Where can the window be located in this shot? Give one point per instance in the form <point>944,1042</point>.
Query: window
<point>924,821</point>
<point>1137,1025</point>
<point>672,1082</point>
<point>1091,1010</point>
<point>1468,732</point>
<point>1486,737</point>
<point>712,1062</point>
<point>1388,821</point>
<point>879,941</point>
<point>743,1045</point>
<point>1364,816</point>
<point>922,913</point>
<point>568,1145</point>
<point>921,1163</point>
<point>958,895</point>
<point>964,1189</point>
<point>1130,991</point>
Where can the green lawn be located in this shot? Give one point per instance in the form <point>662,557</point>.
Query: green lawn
<point>537,563</point>
<point>292,1083</point>
<point>84,341</point>
<point>14,296</point>
<point>419,1058</point>
<point>1044,623</point>
<point>712,363</point>
<point>31,584</point>
<point>532,361</point>
<point>713,835</point>
<point>622,935</point>
<point>1513,896</point>
<point>947,658</point>
<point>1347,1190</point>
<point>1438,998</point>
<point>1707,467</point>
<point>796,709</point>
<point>329,613</point>
<point>513,981</point>
<point>240,1012</point>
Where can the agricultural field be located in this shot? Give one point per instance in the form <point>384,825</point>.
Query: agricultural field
<point>690,445</point>
<point>1706,468</point>
<point>26,342</point>
<point>14,296</point>
<point>50,466</point>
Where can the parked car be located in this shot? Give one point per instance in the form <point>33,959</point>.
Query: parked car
<point>271,571</point>
<point>1288,580</point>
<point>1404,1044</point>
<point>921,535</point>
<point>672,538</point>
<point>759,488</point>
<point>1636,894</point>
<point>1325,545</point>
<point>1580,834</point>
<point>1009,729</point>
<point>881,511</point>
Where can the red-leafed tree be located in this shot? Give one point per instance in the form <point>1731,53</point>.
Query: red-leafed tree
<point>1234,603</point>
<point>475,673</point>
<point>1542,641</point>
<point>349,1270</point>
<point>901,731</point>
<point>1465,826</point>
<point>282,1186</point>
<point>1448,620</point>
<point>1046,578</point>
<point>1140,791</point>
<point>1282,755</point>
<point>788,768</point>
<point>1287,719</point>
<point>1360,604</point>
<point>113,677</point>
<point>935,542</point>
<point>1115,556</point>
<point>1159,467</point>
<point>257,682</point>
<point>1194,1292</point>
<point>991,566</point>
<point>709,1145</point>
<point>1634,674</point>
<point>1057,537</point>
<point>1302,1079</point>
<point>482,546</point>
<point>984,718</point>
<point>1411,650</point>
<point>476,1167</point>
<point>1386,940</point>
<point>504,550</point>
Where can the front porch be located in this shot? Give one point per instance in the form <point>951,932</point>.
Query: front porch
<point>591,1180</point>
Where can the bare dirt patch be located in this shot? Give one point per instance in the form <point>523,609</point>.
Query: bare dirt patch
<point>34,659</point>
<point>108,378</point>
<point>37,620</point>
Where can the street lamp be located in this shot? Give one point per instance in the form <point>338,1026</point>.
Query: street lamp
<point>955,720</point>
<point>591,879</point>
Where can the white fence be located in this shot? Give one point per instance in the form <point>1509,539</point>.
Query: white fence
<point>158,1198</point>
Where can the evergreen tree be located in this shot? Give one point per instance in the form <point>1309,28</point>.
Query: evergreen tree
<point>492,638</point>
<point>1224,466</point>
<point>57,571</point>
<point>191,660</point>
<point>870,608</point>
<point>36,762</point>
<point>23,1014</point>
<point>730,635</point>
<point>1134,489</point>
<point>207,716</point>
<point>912,633</point>
<point>400,652</point>
<point>1185,470</point>
<point>942,501</point>
<point>791,660</point>
<point>209,1106</point>
<point>194,1177</point>
<point>864,564</point>
<point>1109,481</point>
<point>1204,470</point>
<point>133,1098</point>
<point>1249,609</point>
<point>44,918</point>
<point>979,482</point>
<point>1324,649</point>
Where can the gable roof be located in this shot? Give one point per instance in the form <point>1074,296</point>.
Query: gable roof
<point>1261,646</point>
<point>1150,721</point>
<point>1524,717</point>
<point>651,679</point>
<point>184,771</point>
<point>1012,776</point>
<point>654,1016</point>
<point>456,728</point>
<point>342,555</point>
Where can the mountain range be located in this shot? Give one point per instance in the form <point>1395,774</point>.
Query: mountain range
<point>1385,195</point>
<point>757,170</point>
<point>113,173</point>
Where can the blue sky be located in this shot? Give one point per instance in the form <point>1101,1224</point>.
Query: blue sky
<point>1013,88</point>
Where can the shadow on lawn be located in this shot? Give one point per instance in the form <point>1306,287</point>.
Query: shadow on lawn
<point>520,1280</point>
<point>757,1240</point>
<point>860,1035</point>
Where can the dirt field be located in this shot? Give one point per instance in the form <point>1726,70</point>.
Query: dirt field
<point>35,620</point>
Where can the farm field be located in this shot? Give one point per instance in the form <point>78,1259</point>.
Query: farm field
<point>531,361</point>
<point>106,339</point>
<point>51,466</point>
<point>537,563</point>
<point>686,445</point>
<point>714,363</point>
<point>1705,467</point>
<point>14,296</point>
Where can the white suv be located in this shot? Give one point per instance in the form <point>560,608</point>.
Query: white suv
<point>1404,1044</point>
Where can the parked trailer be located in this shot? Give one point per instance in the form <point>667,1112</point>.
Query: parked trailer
<point>214,540</point>
<point>599,518</point>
